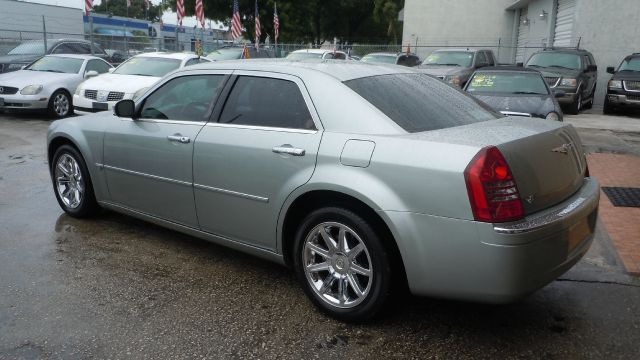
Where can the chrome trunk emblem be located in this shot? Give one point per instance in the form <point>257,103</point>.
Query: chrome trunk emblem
<point>564,149</point>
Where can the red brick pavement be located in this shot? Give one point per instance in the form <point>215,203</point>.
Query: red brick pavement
<point>622,223</point>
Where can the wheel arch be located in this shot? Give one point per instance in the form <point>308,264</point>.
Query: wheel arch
<point>312,200</point>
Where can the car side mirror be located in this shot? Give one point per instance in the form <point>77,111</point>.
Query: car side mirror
<point>111,69</point>
<point>125,108</point>
<point>611,70</point>
<point>559,93</point>
<point>23,67</point>
<point>90,73</point>
<point>592,68</point>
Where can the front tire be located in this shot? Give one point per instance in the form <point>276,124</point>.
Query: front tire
<point>342,264</point>
<point>607,109</point>
<point>60,105</point>
<point>574,108</point>
<point>72,184</point>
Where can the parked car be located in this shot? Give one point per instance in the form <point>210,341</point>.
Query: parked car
<point>361,178</point>
<point>401,58</point>
<point>47,84</point>
<point>116,57</point>
<point>316,54</point>
<point>133,76</point>
<point>515,91</point>
<point>235,52</point>
<point>573,71</point>
<point>623,90</point>
<point>455,66</point>
<point>29,51</point>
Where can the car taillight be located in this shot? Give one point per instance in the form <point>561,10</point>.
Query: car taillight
<point>492,189</point>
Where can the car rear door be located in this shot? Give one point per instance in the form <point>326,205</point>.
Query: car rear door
<point>148,161</point>
<point>262,147</point>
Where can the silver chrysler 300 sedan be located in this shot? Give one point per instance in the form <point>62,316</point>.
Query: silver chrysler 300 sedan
<point>363,178</point>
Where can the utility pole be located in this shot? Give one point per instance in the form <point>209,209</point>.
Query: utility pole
<point>44,32</point>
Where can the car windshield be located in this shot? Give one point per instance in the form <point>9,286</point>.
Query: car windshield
<point>418,102</point>
<point>148,66</point>
<point>377,58</point>
<point>632,64</point>
<point>507,83</point>
<point>555,59</point>
<point>28,48</point>
<point>304,55</point>
<point>57,64</point>
<point>450,58</point>
<point>225,54</point>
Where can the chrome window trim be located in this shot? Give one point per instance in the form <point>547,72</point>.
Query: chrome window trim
<point>624,85</point>
<point>161,121</point>
<point>262,128</point>
<point>233,193</point>
<point>514,113</point>
<point>154,177</point>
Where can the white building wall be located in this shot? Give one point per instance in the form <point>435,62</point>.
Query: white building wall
<point>438,23</point>
<point>610,30</point>
<point>18,16</point>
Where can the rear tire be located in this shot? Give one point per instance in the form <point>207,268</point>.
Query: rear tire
<point>348,279</point>
<point>72,183</point>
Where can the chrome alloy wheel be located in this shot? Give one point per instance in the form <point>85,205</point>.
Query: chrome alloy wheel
<point>61,104</point>
<point>69,181</point>
<point>337,265</point>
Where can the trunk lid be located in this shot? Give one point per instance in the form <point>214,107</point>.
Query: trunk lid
<point>546,157</point>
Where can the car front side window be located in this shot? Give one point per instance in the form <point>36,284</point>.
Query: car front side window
<point>269,102</point>
<point>98,66</point>
<point>186,98</point>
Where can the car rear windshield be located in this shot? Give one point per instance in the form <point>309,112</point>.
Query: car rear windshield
<point>553,59</point>
<point>507,83</point>
<point>304,55</point>
<point>28,48</point>
<point>148,66</point>
<point>449,58</point>
<point>418,102</point>
<point>225,54</point>
<point>387,59</point>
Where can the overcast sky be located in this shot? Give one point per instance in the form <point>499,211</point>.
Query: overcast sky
<point>168,17</point>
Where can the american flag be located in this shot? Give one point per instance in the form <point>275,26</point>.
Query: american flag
<point>88,6</point>
<point>180,11</point>
<point>258,32</point>
<point>236,25</point>
<point>200,12</point>
<point>276,21</point>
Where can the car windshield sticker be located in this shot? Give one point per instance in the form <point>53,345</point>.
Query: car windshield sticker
<point>433,58</point>
<point>483,80</point>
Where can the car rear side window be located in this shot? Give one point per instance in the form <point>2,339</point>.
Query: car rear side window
<point>418,102</point>
<point>261,101</point>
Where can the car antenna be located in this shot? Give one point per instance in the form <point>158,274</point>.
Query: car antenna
<point>578,46</point>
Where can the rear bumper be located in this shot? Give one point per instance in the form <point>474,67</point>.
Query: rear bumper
<point>468,260</point>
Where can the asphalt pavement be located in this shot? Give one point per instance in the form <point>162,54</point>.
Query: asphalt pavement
<point>113,287</point>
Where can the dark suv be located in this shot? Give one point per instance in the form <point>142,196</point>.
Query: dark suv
<point>623,90</point>
<point>30,51</point>
<point>573,71</point>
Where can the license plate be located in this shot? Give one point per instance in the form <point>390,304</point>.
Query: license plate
<point>100,106</point>
<point>578,233</point>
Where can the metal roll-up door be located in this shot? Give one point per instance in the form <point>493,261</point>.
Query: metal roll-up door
<point>563,33</point>
<point>523,37</point>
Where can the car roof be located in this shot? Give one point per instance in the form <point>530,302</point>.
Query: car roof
<point>338,69</point>
<point>507,69</point>
<point>166,55</point>
<point>315,51</point>
<point>461,49</point>
<point>384,54</point>
<point>74,56</point>
<point>565,50</point>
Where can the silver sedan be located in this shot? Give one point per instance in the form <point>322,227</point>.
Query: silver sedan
<point>363,178</point>
<point>48,83</point>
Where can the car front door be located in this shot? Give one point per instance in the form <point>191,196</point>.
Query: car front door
<point>262,147</point>
<point>148,161</point>
<point>590,77</point>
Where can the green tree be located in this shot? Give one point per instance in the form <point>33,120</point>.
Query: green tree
<point>386,11</point>
<point>313,21</point>
<point>137,10</point>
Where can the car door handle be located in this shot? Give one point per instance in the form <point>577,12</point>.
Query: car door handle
<point>288,149</point>
<point>179,138</point>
